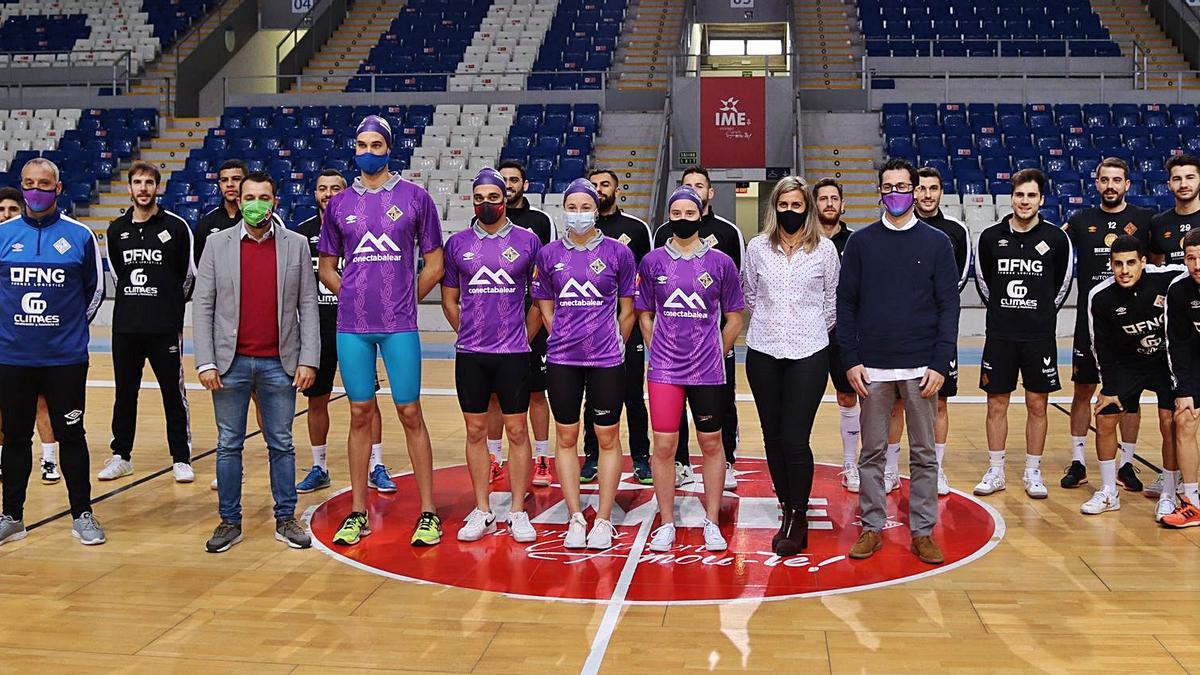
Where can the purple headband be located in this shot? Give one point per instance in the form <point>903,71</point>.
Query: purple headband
<point>686,192</point>
<point>378,125</point>
<point>582,186</point>
<point>489,176</point>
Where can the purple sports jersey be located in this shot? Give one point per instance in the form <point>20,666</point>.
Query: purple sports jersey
<point>584,283</point>
<point>492,274</point>
<point>376,233</point>
<point>688,295</point>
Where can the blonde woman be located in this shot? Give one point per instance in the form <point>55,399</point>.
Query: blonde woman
<point>790,279</point>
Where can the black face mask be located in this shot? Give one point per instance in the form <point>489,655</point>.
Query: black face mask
<point>790,221</point>
<point>489,214</point>
<point>684,229</point>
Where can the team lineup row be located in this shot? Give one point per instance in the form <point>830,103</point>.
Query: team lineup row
<point>573,316</point>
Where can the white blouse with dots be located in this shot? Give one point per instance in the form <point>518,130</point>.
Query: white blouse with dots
<point>793,300</point>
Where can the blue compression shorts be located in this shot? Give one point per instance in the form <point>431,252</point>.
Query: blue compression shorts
<point>401,359</point>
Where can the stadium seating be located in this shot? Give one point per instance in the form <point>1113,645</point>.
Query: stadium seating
<point>502,51</point>
<point>87,145</point>
<point>581,41</point>
<point>978,146</point>
<point>973,27</point>
<point>440,148</point>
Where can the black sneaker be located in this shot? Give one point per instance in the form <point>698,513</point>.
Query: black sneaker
<point>1075,476</point>
<point>1127,478</point>
<point>290,532</point>
<point>588,472</point>
<point>641,472</point>
<point>224,537</point>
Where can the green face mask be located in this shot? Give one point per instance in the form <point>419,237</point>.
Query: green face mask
<point>255,211</point>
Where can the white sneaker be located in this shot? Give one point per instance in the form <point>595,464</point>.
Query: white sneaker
<point>576,532</point>
<point>1154,489</point>
<point>850,478</point>
<point>943,483</point>
<point>214,484</point>
<point>730,477</point>
<point>1034,487</point>
<point>663,539</point>
<point>993,481</point>
<point>520,528</point>
<point>1101,501</point>
<point>1167,504</point>
<point>183,472</point>
<point>713,540</point>
<point>683,475</point>
<point>478,524</point>
<point>601,536</point>
<point>891,481</point>
<point>115,468</point>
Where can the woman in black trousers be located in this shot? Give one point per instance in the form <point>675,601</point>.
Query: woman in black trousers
<point>790,283</point>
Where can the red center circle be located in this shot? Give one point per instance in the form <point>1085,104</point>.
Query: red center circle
<point>966,530</point>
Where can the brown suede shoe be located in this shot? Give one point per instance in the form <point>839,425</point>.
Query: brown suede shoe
<point>868,543</point>
<point>927,551</point>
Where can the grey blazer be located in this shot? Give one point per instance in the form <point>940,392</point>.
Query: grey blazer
<point>216,302</point>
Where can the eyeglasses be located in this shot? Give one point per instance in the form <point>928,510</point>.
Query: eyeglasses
<point>490,199</point>
<point>902,188</point>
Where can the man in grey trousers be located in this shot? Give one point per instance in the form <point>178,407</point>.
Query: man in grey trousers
<point>897,327</point>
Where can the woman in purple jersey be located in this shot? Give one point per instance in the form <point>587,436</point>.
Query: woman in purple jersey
<point>578,283</point>
<point>685,289</point>
<point>488,266</point>
<point>791,277</point>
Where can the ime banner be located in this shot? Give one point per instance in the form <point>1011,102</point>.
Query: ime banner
<point>733,122</point>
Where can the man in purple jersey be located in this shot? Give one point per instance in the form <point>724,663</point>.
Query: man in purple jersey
<point>375,226</point>
<point>578,283</point>
<point>483,296</point>
<point>685,289</point>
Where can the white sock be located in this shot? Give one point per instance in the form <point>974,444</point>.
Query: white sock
<point>496,449</point>
<point>1127,450</point>
<point>542,448</point>
<point>1170,481</point>
<point>893,458</point>
<point>1108,475</point>
<point>50,452</point>
<point>939,449</point>
<point>1192,492</point>
<point>1078,445</point>
<point>996,459</point>
<point>850,432</point>
<point>1033,462</point>
<point>376,455</point>
<point>319,456</point>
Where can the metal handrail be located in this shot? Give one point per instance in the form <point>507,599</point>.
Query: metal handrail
<point>303,24</point>
<point>195,29</point>
<point>661,165</point>
<point>687,65</point>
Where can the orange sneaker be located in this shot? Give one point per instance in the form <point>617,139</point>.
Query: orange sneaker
<point>541,472</point>
<point>496,472</point>
<point>1187,515</point>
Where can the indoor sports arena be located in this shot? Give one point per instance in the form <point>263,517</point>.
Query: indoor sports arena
<point>599,336</point>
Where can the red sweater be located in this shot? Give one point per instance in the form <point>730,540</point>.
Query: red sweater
<point>258,327</point>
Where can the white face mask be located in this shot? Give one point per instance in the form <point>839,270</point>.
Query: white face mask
<point>580,222</point>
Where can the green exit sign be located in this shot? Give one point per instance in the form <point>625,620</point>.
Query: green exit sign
<point>687,157</point>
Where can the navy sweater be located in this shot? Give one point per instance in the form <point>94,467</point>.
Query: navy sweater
<point>897,300</point>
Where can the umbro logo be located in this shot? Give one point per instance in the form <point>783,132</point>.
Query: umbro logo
<point>574,289</point>
<point>73,417</point>
<point>124,235</point>
<point>469,255</point>
<point>487,277</point>
<point>680,300</point>
<point>18,247</point>
<point>1121,311</point>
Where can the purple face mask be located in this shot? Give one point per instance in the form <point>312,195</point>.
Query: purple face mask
<point>897,203</point>
<point>39,200</point>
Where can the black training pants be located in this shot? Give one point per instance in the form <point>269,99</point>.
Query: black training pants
<point>130,351</point>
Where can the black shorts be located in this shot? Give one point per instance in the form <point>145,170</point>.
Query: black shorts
<point>537,361</point>
<point>1035,360</point>
<point>1083,361</point>
<point>478,376</point>
<point>950,386</point>
<point>605,392</point>
<point>837,373</point>
<point>1129,383</point>
<point>323,384</point>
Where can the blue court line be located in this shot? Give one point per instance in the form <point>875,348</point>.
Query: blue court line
<point>967,356</point>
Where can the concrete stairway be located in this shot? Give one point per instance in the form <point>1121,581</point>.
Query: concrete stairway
<point>153,80</point>
<point>649,38</point>
<point>338,59</point>
<point>1131,20</point>
<point>847,147</point>
<point>629,145</point>
<point>827,44</point>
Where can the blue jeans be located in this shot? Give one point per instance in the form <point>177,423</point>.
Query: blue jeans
<point>277,403</point>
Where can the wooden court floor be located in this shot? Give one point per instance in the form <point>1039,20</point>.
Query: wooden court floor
<point>1060,592</point>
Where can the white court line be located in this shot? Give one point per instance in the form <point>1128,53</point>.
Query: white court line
<point>617,602</point>
<point>745,398</point>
